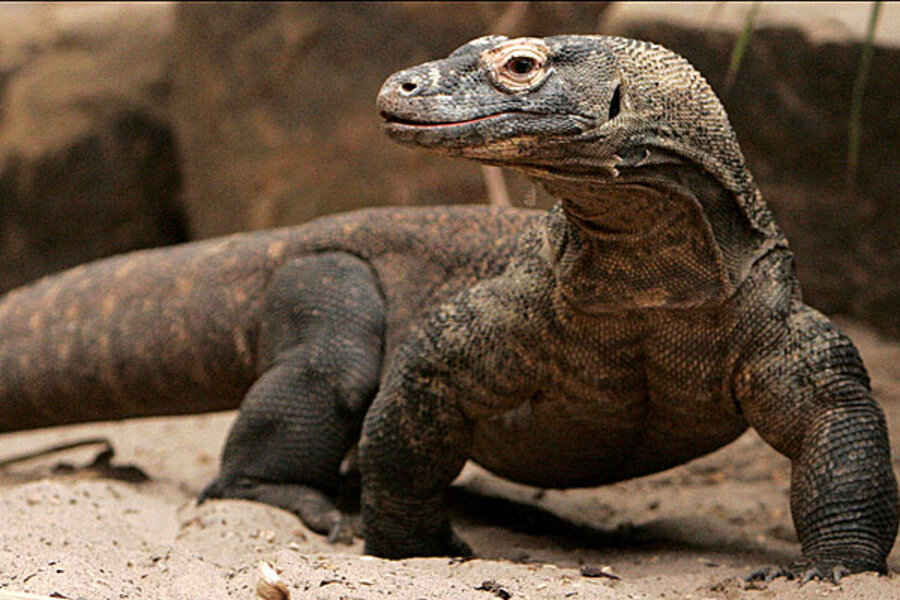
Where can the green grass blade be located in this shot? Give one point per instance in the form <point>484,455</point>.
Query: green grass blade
<point>856,99</point>
<point>740,46</point>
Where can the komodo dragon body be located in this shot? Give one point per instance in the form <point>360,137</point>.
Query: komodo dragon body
<point>649,318</point>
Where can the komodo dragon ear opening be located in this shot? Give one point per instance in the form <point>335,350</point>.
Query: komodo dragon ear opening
<point>615,104</point>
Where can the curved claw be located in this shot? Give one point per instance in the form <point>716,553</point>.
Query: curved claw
<point>835,573</point>
<point>769,573</point>
<point>810,574</point>
<point>803,570</point>
<point>830,572</point>
<point>839,572</point>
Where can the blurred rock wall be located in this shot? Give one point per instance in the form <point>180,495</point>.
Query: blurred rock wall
<point>125,126</point>
<point>274,104</point>
<point>87,156</point>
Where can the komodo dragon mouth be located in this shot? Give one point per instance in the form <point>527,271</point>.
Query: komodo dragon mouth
<point>394,120</point>
<point>496,133</point>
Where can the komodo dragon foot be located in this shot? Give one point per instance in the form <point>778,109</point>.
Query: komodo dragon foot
<point>314,508</point>
<point>802,570</point>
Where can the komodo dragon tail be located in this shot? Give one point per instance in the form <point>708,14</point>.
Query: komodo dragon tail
<point>166,331</point>
<point>174,330</point>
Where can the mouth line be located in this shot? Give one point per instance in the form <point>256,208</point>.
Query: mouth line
<point>390,119</point>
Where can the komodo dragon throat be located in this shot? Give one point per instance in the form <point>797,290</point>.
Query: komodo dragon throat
<point>649,318</point>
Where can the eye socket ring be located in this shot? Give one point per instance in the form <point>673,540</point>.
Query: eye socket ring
<point>519,64</point>
<point>520,69</point>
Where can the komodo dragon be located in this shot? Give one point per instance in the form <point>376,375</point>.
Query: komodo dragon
<point>649,318</point>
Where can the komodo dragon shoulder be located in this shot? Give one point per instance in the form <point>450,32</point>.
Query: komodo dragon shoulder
<point>649,318</point>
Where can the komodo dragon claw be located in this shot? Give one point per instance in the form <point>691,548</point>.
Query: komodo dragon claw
<point>802,570</point>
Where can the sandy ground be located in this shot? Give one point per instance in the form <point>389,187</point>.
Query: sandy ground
<point>693,532</point>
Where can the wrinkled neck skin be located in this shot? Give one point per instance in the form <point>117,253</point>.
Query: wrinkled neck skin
<point>669,237</point>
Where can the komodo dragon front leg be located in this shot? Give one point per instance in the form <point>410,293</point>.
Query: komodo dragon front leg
<point>806,392</point>
<point>466,365</point>
<point>320,355</point>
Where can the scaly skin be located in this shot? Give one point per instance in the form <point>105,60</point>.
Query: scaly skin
<point>176,330</point>
<point>647,319</point>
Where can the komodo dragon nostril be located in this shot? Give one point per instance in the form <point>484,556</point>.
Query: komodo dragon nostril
<point>408,87</point>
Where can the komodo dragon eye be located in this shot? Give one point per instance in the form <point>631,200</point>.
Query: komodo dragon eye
<point>519,64</point>
<point>520,71</point>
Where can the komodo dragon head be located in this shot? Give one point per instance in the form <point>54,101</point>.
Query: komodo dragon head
<point>570,107</point>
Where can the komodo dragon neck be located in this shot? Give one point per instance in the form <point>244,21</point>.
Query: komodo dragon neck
<point>657,207</point>
<point>660,237</point>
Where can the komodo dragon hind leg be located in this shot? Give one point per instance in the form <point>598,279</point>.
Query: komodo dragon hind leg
<point>321,345</point>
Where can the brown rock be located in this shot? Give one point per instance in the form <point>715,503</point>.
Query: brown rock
<point>87,161</point>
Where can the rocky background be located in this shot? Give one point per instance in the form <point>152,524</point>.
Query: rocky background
<point>133,125</point>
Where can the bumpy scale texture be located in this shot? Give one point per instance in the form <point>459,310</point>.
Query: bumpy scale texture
<point>649,318</point>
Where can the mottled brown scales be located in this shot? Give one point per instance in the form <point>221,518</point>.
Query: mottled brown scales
<point>649,318</point>
<point>174,330</point>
